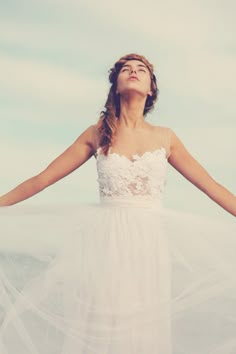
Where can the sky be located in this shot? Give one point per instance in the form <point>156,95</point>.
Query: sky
<point>54,60</point>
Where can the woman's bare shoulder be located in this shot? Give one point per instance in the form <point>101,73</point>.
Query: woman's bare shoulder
<point>160,129</point>
<point>90,136</point>
<point>92,130</point>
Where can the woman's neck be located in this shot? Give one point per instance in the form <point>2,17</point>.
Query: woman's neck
<point>131,114</point>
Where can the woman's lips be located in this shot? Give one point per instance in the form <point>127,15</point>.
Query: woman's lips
<point>133,78</point>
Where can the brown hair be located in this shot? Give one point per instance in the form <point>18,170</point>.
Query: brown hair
<point>107,123</point>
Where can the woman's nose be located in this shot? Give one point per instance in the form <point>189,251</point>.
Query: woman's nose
<point>133,71</point>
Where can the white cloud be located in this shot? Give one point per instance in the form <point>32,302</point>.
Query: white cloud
<point>204,75</point>
<point>169,23</point>
<point>35,36</point>
<point>43,82</point>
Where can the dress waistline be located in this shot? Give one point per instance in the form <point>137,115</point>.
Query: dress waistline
<point>131,202</point>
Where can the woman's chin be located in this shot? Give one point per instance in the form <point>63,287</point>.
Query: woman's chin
<point>133,92</point>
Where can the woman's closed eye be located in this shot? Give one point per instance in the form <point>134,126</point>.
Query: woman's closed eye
<point>139,70</point>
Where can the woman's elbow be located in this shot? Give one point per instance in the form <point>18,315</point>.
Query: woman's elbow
<point>41,181</point>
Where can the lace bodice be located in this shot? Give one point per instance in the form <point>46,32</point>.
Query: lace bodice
<point>143,177</point>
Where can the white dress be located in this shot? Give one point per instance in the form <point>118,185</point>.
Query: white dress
<point>126,276</point>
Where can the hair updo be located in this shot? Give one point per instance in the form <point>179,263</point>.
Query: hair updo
<point>107,123</point>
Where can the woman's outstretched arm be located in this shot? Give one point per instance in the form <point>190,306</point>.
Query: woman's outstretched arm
<point>73,157</point>
<point>183,162</point>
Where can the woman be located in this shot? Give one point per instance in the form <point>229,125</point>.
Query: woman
<point>128,269</point>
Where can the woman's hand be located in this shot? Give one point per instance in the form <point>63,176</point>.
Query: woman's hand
<point>183,162</point>
<point>73,157</point>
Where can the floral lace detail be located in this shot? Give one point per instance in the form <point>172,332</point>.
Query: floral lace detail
<point>143,177</point>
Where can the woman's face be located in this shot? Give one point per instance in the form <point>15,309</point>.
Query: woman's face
<point>134,76</point>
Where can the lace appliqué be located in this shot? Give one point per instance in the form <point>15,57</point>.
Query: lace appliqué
<point>142,177</point>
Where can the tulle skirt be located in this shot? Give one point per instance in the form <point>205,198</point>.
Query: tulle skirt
<point>116,278</point>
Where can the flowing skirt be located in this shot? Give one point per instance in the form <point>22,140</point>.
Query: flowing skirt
<point>116,278</point>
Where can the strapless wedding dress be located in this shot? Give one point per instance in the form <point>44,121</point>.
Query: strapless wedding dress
<point>125,276</point>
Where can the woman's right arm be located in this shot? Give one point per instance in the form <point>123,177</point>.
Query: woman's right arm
<point>72,158</point>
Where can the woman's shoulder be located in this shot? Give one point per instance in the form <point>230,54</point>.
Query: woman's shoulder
<point>93,129</point>
<point>91,136</point>
<point>165,136</point>
<point>161,129</point>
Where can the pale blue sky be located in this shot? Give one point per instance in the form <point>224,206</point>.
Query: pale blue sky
<point>54,58</point>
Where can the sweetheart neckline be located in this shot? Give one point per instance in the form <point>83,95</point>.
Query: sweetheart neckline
<point>135,156</point>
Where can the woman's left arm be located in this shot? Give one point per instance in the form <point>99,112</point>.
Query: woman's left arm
<point>190,168</point>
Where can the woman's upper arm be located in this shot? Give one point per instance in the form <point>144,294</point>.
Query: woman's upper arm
<point>73,157</point>
<point>188,166</point>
